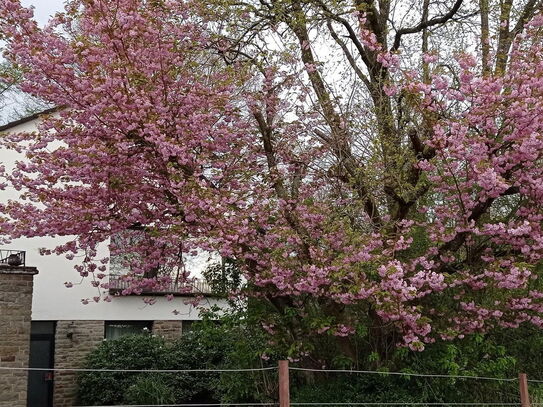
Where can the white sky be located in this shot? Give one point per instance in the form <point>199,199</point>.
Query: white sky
<point>44,8</point>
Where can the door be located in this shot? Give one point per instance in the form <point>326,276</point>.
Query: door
<point>42,348</point>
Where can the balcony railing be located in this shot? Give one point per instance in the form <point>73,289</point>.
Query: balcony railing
<point>13,257</point>
<point>119,283</point>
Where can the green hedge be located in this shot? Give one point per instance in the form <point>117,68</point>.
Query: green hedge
<point>150,352</point>
<point>237,342</point>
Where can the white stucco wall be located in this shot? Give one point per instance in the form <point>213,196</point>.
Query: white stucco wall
<point>53,301</point>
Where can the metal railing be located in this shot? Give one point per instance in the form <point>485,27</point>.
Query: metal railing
<point>119,283</point>
<point>13,258</point>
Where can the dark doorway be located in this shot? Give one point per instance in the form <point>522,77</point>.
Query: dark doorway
<point>42,355</point>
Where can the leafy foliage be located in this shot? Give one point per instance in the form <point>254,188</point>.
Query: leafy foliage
<point>150,352</point>
<point>498,355</point>
<point>149,390</point>
<point>128,352</point>
<point>223,277</point>
<point>235,340</point>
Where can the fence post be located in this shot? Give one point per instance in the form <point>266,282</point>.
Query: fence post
<point>524,395</point>
<point>284,390</point>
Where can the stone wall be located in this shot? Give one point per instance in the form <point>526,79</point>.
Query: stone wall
<point>168,329</point>
<point>73,341</point>
<point>16,284</point>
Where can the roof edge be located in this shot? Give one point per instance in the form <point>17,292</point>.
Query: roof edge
<point>28,118</point>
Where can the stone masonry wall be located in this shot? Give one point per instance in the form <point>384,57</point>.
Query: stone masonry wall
<point>16,284</point>
<point>170,330</point>
<point>73,341</point>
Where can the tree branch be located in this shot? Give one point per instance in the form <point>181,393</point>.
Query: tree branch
<point>506,37</point>
<point>478,211</point>
<point>349,56</point>
<point>425,24</point>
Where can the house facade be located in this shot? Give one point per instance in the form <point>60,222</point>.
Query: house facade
<point>66,323</point>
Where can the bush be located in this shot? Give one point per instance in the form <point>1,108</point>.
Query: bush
<point>129,352</point>
<point>238,343</point>
<point>149,352</point>
<point>501,354</point>
<point>150,390</point>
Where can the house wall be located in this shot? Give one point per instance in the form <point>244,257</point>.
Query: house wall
<point>168,329</point>
<point>73,342</point>
<point>15,302</point>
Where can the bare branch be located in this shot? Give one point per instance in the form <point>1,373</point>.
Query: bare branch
<point>426,24</point>
<point>485,36</point>
<point>506,37</point>
<point>348,55</point>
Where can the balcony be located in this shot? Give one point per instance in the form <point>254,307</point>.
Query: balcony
<point>118,284</point>
<point>12,258</point>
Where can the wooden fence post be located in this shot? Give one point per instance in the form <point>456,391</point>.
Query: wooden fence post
<point>524,395</point>
<point>284,390</point>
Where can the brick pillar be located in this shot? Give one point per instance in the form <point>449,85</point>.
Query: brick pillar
<point>16,284</point>
<point>170,330</point>
<point>73,342</point>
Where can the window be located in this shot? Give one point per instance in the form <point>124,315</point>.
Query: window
<point>117,329</point>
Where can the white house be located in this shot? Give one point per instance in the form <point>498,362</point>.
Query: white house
<point>64,329</point>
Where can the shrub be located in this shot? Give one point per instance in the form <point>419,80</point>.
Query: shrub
<point>150,390</point>
<point>149,352</point>
<point>238,342</point>
<point>128,352</point>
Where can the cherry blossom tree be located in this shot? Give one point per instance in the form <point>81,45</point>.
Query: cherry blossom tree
<point>367,164</point>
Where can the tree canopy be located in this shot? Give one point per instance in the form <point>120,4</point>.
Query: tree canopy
<point>367,164</point>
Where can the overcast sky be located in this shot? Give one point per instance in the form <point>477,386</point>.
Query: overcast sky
<point>44,8</point>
